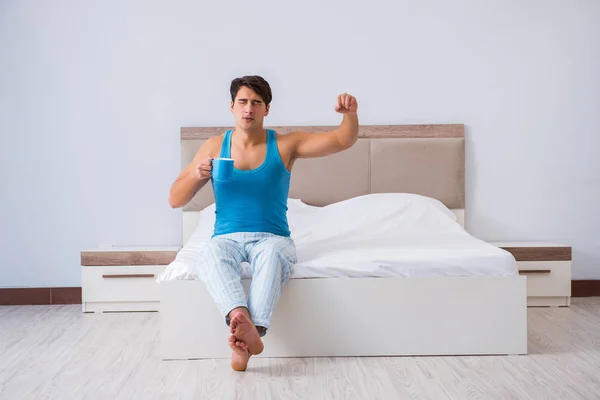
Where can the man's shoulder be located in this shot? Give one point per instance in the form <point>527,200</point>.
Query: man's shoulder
<point>287,141</point>
<point>215,141</point>
<point>212,146</point>
<point>288,137</point>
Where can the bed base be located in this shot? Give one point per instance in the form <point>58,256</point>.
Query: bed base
<point>360,317</point>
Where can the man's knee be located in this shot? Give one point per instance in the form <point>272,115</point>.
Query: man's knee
<point>274,255</point>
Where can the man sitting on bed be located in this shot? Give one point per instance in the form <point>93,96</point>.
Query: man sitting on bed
<point>251,223</point>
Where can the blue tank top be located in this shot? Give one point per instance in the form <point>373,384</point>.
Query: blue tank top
<point>253,200</point>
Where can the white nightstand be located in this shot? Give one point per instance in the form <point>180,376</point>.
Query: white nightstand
<point>123,278</point>
<point>548,270</point>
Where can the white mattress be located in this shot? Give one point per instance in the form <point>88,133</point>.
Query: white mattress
<point>412,257</point>
<point>450,255</point>
<point>371,236</point>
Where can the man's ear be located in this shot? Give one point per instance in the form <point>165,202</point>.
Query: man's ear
<point>231,107</point>
<point>267,109</point>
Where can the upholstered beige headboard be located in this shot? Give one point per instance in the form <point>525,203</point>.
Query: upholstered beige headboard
<point>422,159</point>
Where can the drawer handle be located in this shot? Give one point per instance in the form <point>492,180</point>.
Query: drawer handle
<point>129,276</point>
<point>535,271</point>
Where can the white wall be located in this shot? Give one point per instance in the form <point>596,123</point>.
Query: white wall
<point>92,96</point>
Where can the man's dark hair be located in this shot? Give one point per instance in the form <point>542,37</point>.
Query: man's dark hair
<point>254,82</point>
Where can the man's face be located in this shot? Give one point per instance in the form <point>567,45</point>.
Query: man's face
<point>249,109</point>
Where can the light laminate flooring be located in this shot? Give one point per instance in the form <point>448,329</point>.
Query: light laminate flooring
<point>57,352</point>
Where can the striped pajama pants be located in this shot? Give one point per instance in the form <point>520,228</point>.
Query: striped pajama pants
<point>271,258</point>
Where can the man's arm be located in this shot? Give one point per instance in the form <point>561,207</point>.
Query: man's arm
<point>322,144</point>
<point>195,175</point>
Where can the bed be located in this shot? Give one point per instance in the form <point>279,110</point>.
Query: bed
<point>385,266</point>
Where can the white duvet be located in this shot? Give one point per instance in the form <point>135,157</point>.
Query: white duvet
<point>376,235</point>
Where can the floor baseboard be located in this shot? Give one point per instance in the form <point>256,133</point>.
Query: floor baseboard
<point>585,288</point>
<point>39,296</point>
<point>72,295</point>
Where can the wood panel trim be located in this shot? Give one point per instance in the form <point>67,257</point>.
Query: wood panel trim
<point>534,271</point>
<point>541,253</point>
<point>128,276</point>
<point>585,288</point>
<point>365,131</point>
<point>126,258</point>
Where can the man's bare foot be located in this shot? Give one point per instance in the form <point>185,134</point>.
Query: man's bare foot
<point>240,355</point>
<point>244,330</point>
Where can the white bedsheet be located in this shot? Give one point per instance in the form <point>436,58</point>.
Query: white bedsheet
<point>378,235</point>
<point>409,257</point>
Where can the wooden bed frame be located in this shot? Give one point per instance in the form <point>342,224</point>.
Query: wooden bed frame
<point>361,316</point>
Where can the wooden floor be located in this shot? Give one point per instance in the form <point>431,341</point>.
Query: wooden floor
<point>56,352</point>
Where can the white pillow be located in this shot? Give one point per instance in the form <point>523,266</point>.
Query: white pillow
<point>396,199</point>
<point>375,216</point>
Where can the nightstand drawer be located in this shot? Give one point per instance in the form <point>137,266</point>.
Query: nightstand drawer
<point>121,283</point>
<point>546,278</point>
